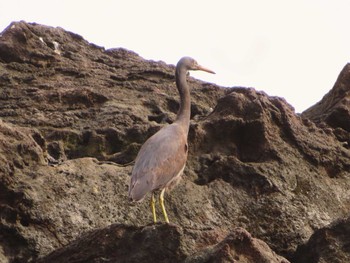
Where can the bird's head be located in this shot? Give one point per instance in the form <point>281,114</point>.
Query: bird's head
<point>191,64</point>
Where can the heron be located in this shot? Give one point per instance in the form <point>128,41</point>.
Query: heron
<point>162,158</point>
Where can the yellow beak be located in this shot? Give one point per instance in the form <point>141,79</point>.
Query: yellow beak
<point>199,67</point>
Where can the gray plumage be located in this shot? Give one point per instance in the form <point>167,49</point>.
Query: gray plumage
<point>162,158</point>
<point>159,161</point>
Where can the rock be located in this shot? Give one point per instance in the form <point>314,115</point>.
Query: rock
<point>238,246</point>
<point>334,108</point>
<point>73,117</point>
<point>163,243</point>
<point>20,155</point>
<point>263,164</point>
<point>328,244</point>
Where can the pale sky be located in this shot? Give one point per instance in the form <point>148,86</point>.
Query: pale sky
<point>291,49</point>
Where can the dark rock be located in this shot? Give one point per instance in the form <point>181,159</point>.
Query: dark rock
<point>334,108</point>
<point>329,244</point>
<point>238,246</point>
<point>121,243</point>
<point>73,116</point>
<point>163,243</point>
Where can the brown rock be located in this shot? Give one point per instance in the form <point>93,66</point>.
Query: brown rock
<point>163,243</point>
<point>334,108</point>
<point>122,243</point>
<point>74,115</point>
<point>239,246</point>
<point>329,244</point>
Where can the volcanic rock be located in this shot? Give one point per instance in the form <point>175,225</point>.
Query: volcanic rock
<point>163,243</point>
<point>328,244</point>
<point>259,182</point>
<point>334,108</point>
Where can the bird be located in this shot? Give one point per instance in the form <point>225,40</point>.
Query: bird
<point>161,160</point>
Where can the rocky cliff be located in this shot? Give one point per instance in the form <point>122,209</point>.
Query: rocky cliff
<point>262,184</point>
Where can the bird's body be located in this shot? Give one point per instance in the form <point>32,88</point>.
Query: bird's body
<point>162,158</point>
<point>160,161</point>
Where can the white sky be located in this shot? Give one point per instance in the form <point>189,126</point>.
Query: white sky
<point>292,49</point>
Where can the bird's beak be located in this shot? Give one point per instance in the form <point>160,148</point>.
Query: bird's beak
<point>199,67</point>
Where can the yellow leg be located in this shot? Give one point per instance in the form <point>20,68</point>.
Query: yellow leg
<point>153,208</point>
<point>161,200</point>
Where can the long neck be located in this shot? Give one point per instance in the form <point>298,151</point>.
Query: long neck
<point>184,114</point>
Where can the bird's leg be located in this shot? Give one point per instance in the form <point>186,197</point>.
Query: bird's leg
<point>153,208</point>
<point>161,200</point>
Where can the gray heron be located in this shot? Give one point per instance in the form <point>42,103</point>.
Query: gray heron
<point>162,158</point>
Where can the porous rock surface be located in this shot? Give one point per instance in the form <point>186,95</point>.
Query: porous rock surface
<point>260,183</point>
<point>334,108</point>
